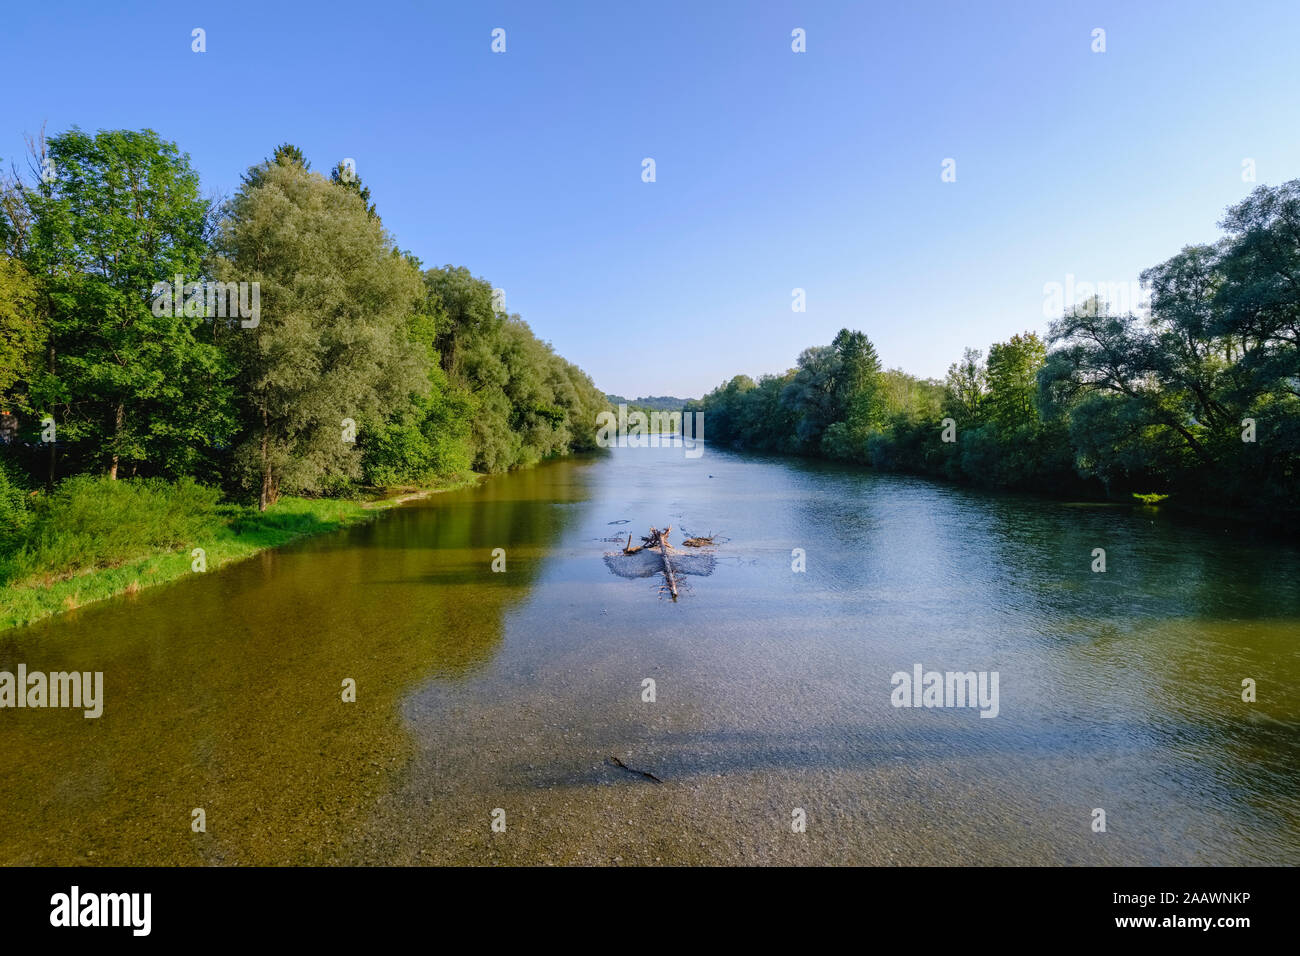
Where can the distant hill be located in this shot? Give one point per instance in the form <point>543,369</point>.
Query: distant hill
<point>656,403</point>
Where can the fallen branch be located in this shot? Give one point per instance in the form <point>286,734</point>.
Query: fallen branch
<point>640,773</point>
<point>664,548</point>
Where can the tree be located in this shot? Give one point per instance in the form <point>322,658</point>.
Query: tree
<point>811,395</point>
<point>284,155</point>
<point>22,334</point>
<point>15,214</point>
<point>858,388</point>
<point>333,339</point>
<point>1013,382</point>
<point>465,309</point>
<point>347,178</point>
<point>1258,306</point>
<point>724,412</point>
<point>966,384</point>
<point>1102,372</point>
<point>1257,314</point>
<point>125,384</point>
<point>910,398</point>
<point>528,403</point>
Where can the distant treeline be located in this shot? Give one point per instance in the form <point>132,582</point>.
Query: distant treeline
<point>359,368</point>
<point>651,403</point>
<point>1199,400</point>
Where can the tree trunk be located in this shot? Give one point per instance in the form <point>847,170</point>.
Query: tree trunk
<point>1197,448</point>
<point>669,574</point>
<point>269,491</point>
<point>53,456</point>
<point>118,418</point>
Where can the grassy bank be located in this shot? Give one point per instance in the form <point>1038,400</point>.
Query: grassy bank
<point>92,539</point>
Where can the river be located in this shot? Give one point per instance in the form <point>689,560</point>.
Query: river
<point>488,695</point>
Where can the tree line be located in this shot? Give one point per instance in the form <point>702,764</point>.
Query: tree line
<point>1198,398</point>
<point>361,368</point>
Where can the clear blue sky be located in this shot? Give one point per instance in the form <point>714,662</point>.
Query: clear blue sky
<point>775,170</point>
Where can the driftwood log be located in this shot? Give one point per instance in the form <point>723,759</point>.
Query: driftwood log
<point>668,565</point>
<point>657,540</point>
<point>655,555</point>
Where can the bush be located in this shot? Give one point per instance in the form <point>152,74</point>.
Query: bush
<point>96,522</point>
<point>430,441</point>
<point>15,508</point>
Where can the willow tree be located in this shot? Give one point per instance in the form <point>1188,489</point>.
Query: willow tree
<point>330,347</point>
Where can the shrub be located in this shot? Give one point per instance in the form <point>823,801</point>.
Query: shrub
<point>15,507</point>
<point>91,522</point>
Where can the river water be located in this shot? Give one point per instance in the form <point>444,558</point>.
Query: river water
<point>485,695</point>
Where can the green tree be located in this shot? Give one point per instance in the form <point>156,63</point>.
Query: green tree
<point>1258,306</point>
<point>123,383</point>
<point>465,310</point>
<point>966,384</point>
<point>811,395</point>
<point>22,333</point>
<point>527,402</point>
<point>333,340</point>
<point>284,155</point>
<point>859,387</point>
<point>1256,314</point>
<point>1012,375</point>
<point>347,178</point>
<point>1102,372</point>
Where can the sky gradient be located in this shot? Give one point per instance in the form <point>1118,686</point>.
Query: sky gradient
<point>775,170</point>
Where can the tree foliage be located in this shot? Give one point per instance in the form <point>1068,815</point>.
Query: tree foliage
<point>124,385</point>
<point>1199,400</point>
<point>358,367</point>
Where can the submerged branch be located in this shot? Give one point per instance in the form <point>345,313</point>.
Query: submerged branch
<point>640,773</point>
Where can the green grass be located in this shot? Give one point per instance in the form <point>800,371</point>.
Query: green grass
<point>92,539</point>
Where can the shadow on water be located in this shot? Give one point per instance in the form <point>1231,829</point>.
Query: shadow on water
<point>224,691</point>
<point>681,756</point>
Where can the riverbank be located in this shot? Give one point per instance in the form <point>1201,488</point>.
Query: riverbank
<point>227,534</point>
<point>1261,523</point>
